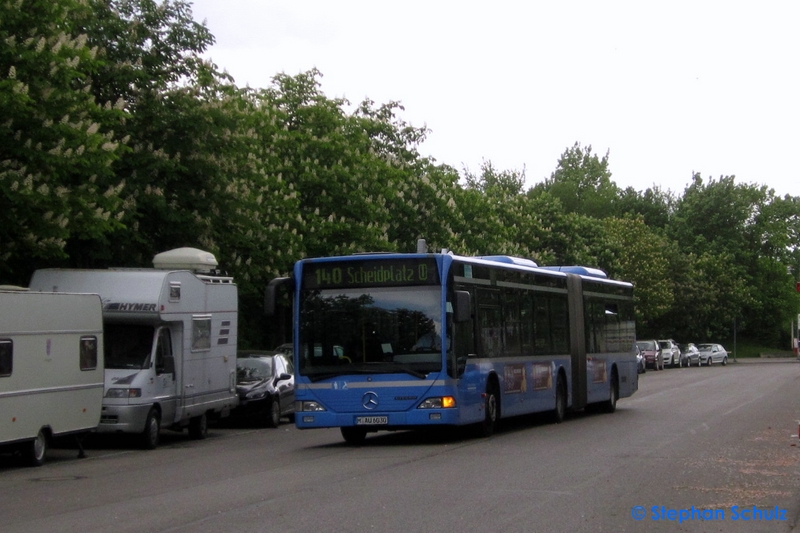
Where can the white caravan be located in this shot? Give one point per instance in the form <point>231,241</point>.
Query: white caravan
<point>51,369</point>
<point>170,342</point>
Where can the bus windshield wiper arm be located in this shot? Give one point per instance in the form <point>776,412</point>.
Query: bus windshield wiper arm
<point>404,368</point>
<point>387,369</point>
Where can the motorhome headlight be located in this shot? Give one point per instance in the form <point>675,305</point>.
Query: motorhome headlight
<point>123,393</point>
<point>309,405</point>
<point>442,402</point>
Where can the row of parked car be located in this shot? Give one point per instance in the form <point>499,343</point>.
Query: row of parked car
<point>265,379</point>
<point>659,354</point>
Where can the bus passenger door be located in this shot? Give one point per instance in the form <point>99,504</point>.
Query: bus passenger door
<point>467,369</point>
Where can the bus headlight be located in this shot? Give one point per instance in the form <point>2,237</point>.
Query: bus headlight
<point>308,405</point>
<point>443,402</point>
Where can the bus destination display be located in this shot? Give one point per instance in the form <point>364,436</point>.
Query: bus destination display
<point>375,273</point>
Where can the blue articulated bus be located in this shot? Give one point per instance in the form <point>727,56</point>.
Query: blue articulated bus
<point>395,341</point>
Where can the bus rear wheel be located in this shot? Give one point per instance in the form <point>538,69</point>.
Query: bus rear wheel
<point>610,405</point>
<point>560,409</point>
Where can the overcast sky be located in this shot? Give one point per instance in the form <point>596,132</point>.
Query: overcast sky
<point>667,88</point>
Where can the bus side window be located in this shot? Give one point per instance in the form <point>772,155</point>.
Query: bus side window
<point>490,319</point>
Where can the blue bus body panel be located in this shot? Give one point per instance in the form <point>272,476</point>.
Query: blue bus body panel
<point>391,401</point>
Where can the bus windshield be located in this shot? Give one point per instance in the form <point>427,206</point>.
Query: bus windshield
<point>371,330</point>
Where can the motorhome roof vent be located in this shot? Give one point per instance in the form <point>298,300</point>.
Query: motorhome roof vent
<point>186,259</point>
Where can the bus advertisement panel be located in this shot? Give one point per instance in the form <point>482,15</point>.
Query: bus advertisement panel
<point>398,341</point>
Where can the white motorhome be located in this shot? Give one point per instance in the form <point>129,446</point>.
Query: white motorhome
<point>170,342</point>
<point>51,368</point>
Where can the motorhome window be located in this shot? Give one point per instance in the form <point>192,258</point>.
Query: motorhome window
<point>88,353</point>
<point>201,334</point>
<point>6,357</point>
<point>127,345</point>
<point>174,291</point>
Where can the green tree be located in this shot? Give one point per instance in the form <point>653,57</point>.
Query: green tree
<point>492,204</point>
<point>746,236</point>
<point>57,143</point>
<point>654,204</point>
<point>582,183</point>
<point>636,253</point>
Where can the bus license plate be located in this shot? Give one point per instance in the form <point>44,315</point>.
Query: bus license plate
<point>372,420</point>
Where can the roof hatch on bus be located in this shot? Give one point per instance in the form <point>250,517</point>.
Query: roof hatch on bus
<point>510,260</point>
<point>583,271</point>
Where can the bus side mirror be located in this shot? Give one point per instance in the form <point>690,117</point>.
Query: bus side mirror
<point>271,294</point>
<point>463,306</point>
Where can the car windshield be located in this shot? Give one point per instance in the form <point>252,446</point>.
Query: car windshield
<point>371,330</point>
<point>254,369</point>
<point>127,345</point>
<point>705,347</point>
<point>663,344</point>
<point>646,345</point>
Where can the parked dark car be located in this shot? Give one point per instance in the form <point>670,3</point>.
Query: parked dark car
<point>652,354</point>
<point>690,355</point>
<point>265,384</point>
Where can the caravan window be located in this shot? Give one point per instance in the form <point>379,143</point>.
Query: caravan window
<point>6,357</point>
<point>88,353</point>
<point>201,333</point>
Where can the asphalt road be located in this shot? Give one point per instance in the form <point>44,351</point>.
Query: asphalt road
<point>718,447</point>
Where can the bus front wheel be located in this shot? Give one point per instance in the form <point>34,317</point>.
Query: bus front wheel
<point>353,435</point>
<point>491,407</point>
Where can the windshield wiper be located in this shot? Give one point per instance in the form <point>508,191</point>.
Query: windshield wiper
<point>392,368</point>
<point>409,370</point>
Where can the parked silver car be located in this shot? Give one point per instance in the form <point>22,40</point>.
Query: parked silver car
<point>670,352</point>
<point>641,365</point>
<point>690,355</point>
<point>712,353</point>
